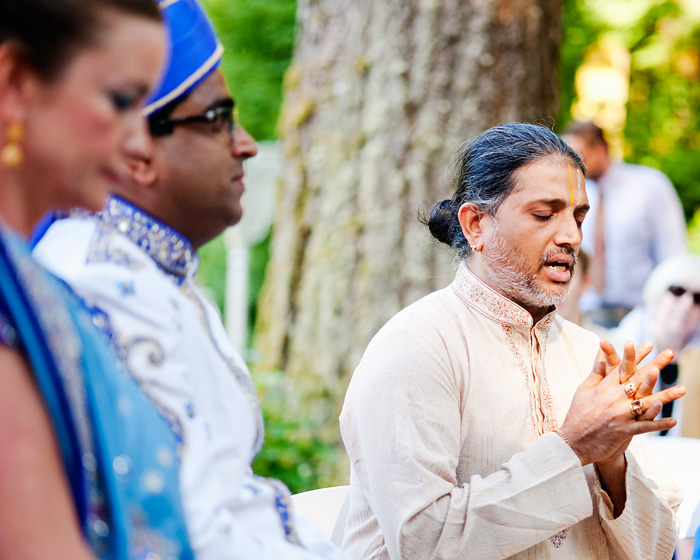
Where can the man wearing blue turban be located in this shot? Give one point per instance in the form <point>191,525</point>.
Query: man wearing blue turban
<point>134,265</point>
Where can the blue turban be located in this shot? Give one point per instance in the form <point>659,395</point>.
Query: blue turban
<point>194,52</point>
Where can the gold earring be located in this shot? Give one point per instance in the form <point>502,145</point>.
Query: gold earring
<point>11,154</point>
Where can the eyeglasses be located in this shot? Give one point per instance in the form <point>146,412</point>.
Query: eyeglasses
<point>217,118</point>
<point>678,291</point>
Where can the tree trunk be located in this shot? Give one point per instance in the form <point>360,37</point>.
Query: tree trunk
<point>379,96</point>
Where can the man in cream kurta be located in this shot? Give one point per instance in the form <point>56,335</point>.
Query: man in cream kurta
<point>468,469</point>
<point>479,424</point>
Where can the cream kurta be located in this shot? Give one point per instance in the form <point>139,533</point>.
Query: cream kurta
<point>445,422</point>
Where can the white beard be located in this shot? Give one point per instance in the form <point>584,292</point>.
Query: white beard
<point>505,267</point>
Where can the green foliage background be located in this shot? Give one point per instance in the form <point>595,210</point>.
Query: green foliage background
<point>662,130</point>
<point>258,36</point>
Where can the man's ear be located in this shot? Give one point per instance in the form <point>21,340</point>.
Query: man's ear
<point>142,171</point>
<point>474,224</point>
<point>15,84</point>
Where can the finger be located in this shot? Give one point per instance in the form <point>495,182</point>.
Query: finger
<point>596,376</point>
<point>651,412</point>
<point>609,353</point>
<point>647,426</point>
<point>651,406</point>
<point>628,366</point>
<point>669,395</point>
<point>663,358</point>
<point>649,377</point>
<point>646,376</point>
<point>642,351</point>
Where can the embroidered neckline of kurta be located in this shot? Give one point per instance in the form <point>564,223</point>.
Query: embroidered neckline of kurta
<point>171,250</point>
<point>487,301</point>
<point>510,315</point>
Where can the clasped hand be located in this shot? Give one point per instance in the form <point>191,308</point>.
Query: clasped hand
<point>601,421</point>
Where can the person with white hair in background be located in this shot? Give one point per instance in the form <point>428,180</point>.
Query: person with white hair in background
<point>670,318</point>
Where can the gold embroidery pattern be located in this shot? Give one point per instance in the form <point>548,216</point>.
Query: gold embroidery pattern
<point>511,316</point>
<point>550,416</point>
<point>523,369</point>
<point>476,294</point>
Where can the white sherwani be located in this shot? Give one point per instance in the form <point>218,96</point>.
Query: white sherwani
<point>136,274</point>
<point>446,422</point>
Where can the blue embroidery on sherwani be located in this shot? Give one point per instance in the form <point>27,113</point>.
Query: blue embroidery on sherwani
<point>103,249</point>
<point>284,507</point>
<point>126,288</point>
<point>125,351</point>
<point>173,253</point>
<point>171,250</point>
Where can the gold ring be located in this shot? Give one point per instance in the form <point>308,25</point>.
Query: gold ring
<point>636,408</point>
<point>630,389</point>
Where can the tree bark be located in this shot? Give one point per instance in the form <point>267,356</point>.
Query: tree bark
<point>380,94</point>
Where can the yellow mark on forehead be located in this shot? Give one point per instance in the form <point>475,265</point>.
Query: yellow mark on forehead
<point>571,184</point>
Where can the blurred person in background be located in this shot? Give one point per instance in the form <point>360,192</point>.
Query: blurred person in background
<point>134,264</point>
<point>570,308</point>
<point>636,221</point>
<point>670,318</point>
<point>88,468</point>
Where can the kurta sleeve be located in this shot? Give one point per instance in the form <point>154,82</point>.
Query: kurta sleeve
<point>401,427</point>
<point>649,514</point>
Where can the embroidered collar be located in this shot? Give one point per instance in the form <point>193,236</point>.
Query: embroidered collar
<point>171,250</point>
<point>484,299</point>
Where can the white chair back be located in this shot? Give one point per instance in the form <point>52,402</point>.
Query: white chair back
<point>327,508</point>
<point>680,457</point>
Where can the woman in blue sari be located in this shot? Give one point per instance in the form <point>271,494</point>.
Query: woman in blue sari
<point>87,467</point>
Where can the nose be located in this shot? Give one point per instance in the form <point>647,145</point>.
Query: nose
<point>137,142</point>
<point>569,233</point>
<point>685,302</point>
<point>243,145</point>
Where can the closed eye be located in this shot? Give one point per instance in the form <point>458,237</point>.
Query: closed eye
<point>542,218</point>
<point>124,101</point>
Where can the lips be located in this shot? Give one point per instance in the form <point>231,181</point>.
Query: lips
<point>113,176</point>
<point>559,267</point>
<point>116,171</point>
<point>238,180</point>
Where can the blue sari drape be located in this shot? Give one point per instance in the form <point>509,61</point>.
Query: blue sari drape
<point>118,453</point>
